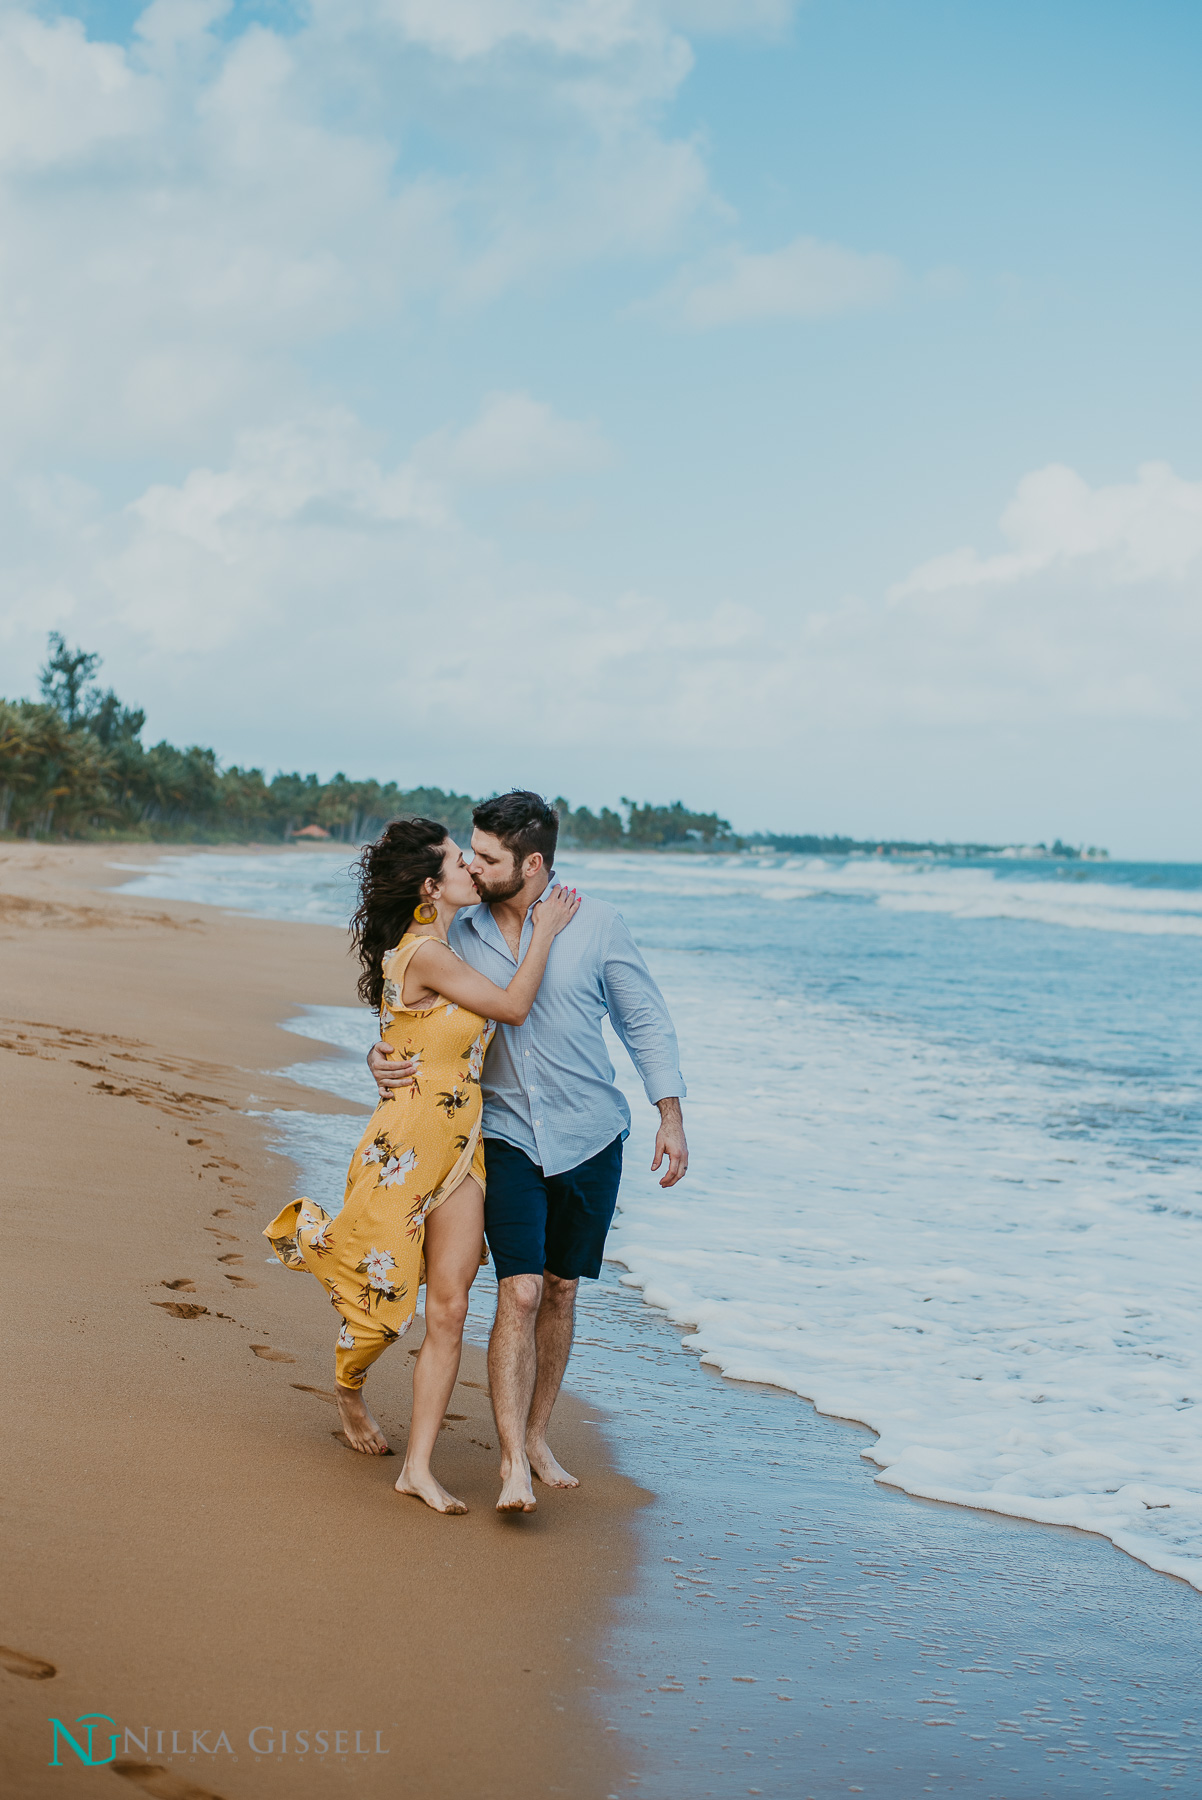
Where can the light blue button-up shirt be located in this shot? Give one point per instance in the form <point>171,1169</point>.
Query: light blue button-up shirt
<point>549,1084</point>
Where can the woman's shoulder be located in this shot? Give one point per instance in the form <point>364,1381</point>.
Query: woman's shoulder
<point>409,941</point>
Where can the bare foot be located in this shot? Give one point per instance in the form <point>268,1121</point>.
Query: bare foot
<point>517,1493</point>
<point>546,1467</point>
<point>422,1485</point>
<point>362,1432</point>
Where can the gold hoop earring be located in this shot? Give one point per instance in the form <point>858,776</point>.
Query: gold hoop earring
<point>426,913</point>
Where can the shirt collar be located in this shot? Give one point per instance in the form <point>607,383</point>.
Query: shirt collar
<point>543,895</point>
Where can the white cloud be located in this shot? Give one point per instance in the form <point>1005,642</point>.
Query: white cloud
<point>514,438</point>
<point>592,29</point>
<point>307,602</point>
<point>186,221</point>
<point>306,557</point>
<point>301,514</point>
<point>474,28</point>
<point>804,280</point>
<point>1145,530</point>
<point>62,97</point>
<point>184,224</point>
<point>304,574</point>
<point>1095,612</point>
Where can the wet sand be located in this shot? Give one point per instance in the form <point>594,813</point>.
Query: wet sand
<point>801,1632</point>
<point>187,1544</point>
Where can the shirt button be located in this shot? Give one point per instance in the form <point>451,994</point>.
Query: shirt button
<point>538,1121</point>
<point>525,1053</point>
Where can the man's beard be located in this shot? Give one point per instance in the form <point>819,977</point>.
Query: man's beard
<point>501,887</point>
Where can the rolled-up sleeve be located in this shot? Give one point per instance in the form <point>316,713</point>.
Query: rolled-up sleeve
<point>639,1015</point>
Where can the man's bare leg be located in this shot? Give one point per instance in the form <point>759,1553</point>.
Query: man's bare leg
<point>553,1341</point>
<point>511,1373</point>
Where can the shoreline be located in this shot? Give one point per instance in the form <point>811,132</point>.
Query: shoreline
<point>788,1608</point>
<point>953,853</point>
<point>766,1522</point>
<point>190,1547</point>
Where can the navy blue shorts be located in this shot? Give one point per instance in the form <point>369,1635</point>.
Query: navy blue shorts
<point>557,1222</point>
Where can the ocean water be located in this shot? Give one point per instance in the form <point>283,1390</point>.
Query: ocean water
<point>945,1124</point>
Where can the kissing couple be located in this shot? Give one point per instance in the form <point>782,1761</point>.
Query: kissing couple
<point>498,1119</point>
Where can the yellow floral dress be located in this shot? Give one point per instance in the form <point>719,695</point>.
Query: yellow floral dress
<point>420,1145</point>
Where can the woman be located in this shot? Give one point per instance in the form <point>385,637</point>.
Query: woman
<point>416,1181</point>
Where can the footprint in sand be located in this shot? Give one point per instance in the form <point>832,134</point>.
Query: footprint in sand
<point>181,1309</point>
<point>182,1286</point>
<point>160,1783</point>
<point>241,1281</point>
<point>322,1393</point>
<point>196,1140</point>
<point>231,1256</point>
<point>267,1353</point>
<point>29,1668</point>
<point>222,1212</point>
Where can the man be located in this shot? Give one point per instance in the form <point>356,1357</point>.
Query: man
<point>554,1121</point>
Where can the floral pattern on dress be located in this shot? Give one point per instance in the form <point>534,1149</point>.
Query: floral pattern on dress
<point>410,1053</point>
<point>316,1225</point>
<point>394,1171</point>
<point>377,1267</point>
<point>394,1165</point>
<point>421,1206</point>
<point>475,1055</point>
<point>288,1251</point>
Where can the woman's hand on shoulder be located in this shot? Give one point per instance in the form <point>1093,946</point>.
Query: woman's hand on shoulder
<point>556,910</point>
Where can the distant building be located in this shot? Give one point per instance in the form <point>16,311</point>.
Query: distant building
<point>310,831</point>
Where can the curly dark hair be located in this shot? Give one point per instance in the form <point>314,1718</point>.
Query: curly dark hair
<point>392,873</point>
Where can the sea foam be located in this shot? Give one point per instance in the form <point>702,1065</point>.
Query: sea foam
<point>876,1224</point>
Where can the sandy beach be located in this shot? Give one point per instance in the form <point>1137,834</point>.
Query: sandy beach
<point>189,1548</point>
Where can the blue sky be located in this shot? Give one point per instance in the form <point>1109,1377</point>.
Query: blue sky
<point>793,409</point>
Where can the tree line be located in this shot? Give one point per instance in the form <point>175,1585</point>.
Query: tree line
<point>809,845</point>
<point>73,764</point>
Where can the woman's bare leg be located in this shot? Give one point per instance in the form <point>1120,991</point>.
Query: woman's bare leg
<point>358,1427</point>
<point>454,1234</point>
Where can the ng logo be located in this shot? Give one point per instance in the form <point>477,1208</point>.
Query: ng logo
<point>87,1720</point>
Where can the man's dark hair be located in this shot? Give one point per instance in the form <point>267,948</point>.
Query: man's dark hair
<point>524,822</point>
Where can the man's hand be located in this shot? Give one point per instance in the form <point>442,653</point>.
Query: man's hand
<point>669,1142</point>
<point>388,1076</point>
